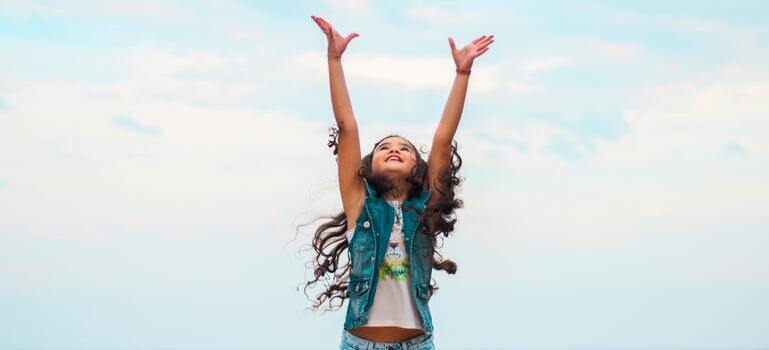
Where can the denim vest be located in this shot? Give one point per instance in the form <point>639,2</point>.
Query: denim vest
<point>367,249</point>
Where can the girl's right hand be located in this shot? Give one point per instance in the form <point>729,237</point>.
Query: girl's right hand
<point>336,42</point>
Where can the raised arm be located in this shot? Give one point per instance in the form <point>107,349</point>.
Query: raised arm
<point>351,187</point>
<point>440,154</point>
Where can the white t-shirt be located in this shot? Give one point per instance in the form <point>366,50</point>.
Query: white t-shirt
<point>393,302</point>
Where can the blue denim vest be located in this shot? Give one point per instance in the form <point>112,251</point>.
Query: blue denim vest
<point>367,249</point>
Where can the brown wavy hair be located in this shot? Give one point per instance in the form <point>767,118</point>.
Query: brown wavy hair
<point>329,241</point>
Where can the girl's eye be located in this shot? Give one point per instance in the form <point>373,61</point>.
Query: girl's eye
<point>402,149</point>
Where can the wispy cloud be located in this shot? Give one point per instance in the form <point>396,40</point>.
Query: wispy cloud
<point>131,124</point>
<point>620,51</point>
<point>733,148</point>
<point>409,72</point>
<point>544,64</point>
<point>729,34</point>
<point>140,10</point>
<point>358,8</point>
<point>594,147</point>
<point>196,76</point>
<point>439,15</point>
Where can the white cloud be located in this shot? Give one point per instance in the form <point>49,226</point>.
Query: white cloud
<point>443,16</point>
<point>544,64</point>
<point>157,9</point>
<point>619,51</point>
<point>695,120</point>
<point>75,176</point>
<point>667,175</point>
<point>358,8</point>
<point>518,88</point>
<point>158,61</point>
<point>413,73</point>
<point>727,34</point>
<point>144,10</point>
<point>193,76</point>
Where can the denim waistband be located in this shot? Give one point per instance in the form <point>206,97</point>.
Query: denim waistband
<point>365,344</point>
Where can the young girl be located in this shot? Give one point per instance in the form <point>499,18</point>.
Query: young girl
<point>395,207</point>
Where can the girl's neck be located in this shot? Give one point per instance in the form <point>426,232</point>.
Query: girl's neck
<point>394,199</point>
<point>398,193</point>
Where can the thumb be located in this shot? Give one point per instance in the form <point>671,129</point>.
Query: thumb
<point>451,43</point>
<point>351,36</point>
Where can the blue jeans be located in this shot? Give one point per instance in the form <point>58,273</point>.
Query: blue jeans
<point>352,342</point>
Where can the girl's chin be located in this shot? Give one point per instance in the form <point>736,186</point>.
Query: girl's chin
<point>394,168</point>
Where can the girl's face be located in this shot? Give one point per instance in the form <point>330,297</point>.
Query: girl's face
<point>394,157</point>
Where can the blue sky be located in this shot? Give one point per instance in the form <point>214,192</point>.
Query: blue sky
<point>157,157</point>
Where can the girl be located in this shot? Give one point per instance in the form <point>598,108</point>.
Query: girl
<point>395,207</point>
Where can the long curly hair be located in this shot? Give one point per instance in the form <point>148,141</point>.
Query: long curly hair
<point>330,243</point>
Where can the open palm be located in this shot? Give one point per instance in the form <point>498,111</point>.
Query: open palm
<point>464,58</point>
<point>336,42</point>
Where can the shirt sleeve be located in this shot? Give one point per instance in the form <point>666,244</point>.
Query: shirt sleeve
<point>349,234</point>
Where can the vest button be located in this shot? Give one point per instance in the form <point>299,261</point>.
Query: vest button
<point>372,259</point>
<point>366,224</point>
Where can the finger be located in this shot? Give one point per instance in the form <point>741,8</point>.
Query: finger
<point>487,41</point>
<point>328,29</point>
<point>315,19</point>
<point>478,39</point>
<point>486,44</point>
<point>482,51</point>
<point>351,36</point>
<point>321,25</point>
<point>318,20</point>
<point>326,23</point>
<point>451,44</point>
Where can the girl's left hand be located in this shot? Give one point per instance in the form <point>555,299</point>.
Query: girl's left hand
<point>336,42</point>
<point>463,58</point>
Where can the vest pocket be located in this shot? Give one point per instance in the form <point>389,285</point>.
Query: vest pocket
<point>359,260</point>
<point>359,286</point>
<point>424,291</point>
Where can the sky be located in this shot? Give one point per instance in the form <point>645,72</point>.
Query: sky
<point>157,159</point>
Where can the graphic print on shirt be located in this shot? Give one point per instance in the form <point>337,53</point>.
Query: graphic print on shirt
<point>396,263</point>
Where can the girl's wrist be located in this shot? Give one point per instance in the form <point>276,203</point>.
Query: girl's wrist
<point>332,56</point>
<point>463,71</point>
